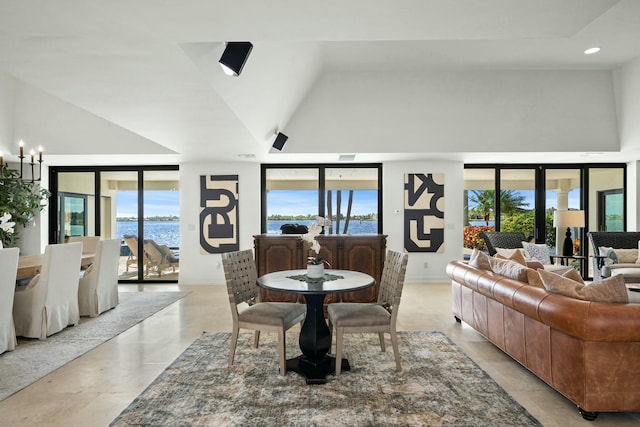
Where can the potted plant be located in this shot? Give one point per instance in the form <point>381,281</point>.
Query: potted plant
<point>20,200</point>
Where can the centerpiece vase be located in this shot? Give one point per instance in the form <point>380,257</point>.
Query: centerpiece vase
<point>315,271</point>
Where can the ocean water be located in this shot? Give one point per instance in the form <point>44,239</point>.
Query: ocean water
<point>168,233</point>
<point>355,227</point>
<point>162,232</point>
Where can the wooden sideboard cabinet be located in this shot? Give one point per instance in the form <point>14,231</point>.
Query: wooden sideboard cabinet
<point>364,253</point>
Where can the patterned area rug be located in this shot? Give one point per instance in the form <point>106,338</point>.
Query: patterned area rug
<point>33,359</point>
<point>439,385</point>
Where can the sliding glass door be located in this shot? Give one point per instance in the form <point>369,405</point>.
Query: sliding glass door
<point>137,205</point>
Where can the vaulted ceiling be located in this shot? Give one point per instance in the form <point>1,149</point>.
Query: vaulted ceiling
<point>146,74</point>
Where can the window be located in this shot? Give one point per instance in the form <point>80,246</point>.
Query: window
<point>349,198</point>
<point>523,198</point>
<point>137,205</point>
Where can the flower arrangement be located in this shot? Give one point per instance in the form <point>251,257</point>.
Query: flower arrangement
<point>6,228</point>
<point>310,236</point>
<point>313,231</point>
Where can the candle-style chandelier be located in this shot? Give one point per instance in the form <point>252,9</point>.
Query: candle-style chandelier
<point>32,163</point>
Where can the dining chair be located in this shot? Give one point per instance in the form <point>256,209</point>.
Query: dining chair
<point>9,268</point>
<point>50,301</point>
<point>98,287</point>
<point>241,276</point>
<point>89,243</point>
<point>380,317</point>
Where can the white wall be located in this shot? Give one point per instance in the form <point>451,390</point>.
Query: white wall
<point>393,226</point>
<point>206,269</point>
<point>457,111</point>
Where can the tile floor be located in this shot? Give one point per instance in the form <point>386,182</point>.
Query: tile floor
<point>93,389</point>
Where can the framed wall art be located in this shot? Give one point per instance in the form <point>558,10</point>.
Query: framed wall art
<point>219,214</point>
<point>424,212</point>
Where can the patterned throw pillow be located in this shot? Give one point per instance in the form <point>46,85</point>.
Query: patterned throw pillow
<point>538,252</point>
<point>626,256</point>
<point>610,254</point>
<point>611,289</point>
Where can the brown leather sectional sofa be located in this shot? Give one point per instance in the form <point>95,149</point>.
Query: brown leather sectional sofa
<point>587,351</point>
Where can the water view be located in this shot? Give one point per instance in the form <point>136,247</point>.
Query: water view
<point>162,232</point>
<point>355,226</point>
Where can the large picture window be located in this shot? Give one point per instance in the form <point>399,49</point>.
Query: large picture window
<point>349,198</point>
<point>523,198</point>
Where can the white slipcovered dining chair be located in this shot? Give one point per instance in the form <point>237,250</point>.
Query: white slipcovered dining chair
<point>89,243</point>
<point>9,269</point>
<point>98,287</point>
<point>377,317</point>
<point>241,276</point>
<point>50,301</point>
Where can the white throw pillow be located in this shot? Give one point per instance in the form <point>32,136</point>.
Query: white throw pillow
<point>627,256</point>
<point>538,252</point>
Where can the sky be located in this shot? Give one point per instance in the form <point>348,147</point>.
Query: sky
<point>156,203</point>
<point>305,202</point>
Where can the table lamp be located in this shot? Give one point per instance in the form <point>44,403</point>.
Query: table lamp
<point>569,219</point>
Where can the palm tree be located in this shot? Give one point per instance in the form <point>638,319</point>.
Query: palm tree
<point>511,201</point>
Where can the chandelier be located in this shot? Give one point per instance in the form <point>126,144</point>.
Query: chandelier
<point>32,163</point>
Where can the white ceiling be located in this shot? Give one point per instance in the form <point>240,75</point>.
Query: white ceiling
<point>150,67</point>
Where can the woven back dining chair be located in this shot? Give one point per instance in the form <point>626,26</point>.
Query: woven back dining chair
<point>241,277</point>
<point>377,317</point>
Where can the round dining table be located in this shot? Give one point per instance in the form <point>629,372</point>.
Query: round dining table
<point>315,363</point>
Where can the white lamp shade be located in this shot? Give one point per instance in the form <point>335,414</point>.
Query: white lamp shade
<point>566,218</point>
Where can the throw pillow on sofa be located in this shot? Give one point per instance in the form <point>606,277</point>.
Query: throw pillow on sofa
<point>510,269</point>
<point>516,256</point>
<point>534,278</point>
<point>480,260</point>
<point>538,252</point>
<point>612,289</point>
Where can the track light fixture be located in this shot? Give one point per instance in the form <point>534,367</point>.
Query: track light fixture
<point>234,57</point>
<point>281,138</point>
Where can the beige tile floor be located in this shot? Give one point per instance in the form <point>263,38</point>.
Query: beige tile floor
<point>93,389</point>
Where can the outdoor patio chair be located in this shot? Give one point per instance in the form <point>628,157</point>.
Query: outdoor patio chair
<point>502,240</point>
<point>380,317</point>
<point>9,267</point>
<point>98,288</point>
<point>50,301</point>
<point>132,243</point>
<point>159,257</point>
<point>241,276</point>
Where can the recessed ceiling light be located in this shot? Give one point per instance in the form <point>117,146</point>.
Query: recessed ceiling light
<point>247,156</point>
<point>592,50</point>
<point>346,157</point>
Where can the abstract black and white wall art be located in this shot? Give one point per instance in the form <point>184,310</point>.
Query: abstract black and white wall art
<point>219,214</point>
<point>424,212</point>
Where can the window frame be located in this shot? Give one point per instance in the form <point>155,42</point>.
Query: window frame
<point>321,167</point>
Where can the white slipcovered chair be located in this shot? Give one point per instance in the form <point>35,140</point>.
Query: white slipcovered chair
<point>98,288</point>
<point>50,301</point>
<point>9,268</point>
<point>89,243</point>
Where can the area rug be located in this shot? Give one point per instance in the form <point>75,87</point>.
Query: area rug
<point>33,359</point>
<point>439,385</point>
